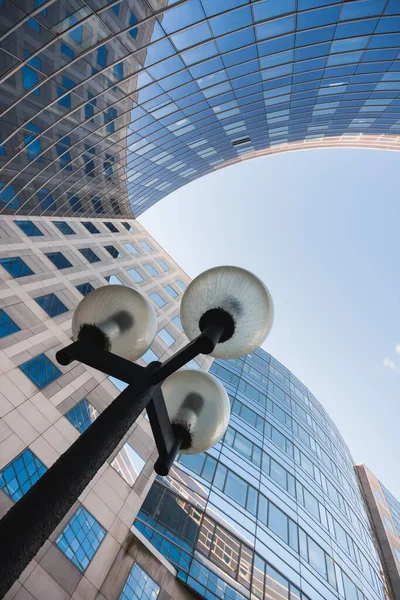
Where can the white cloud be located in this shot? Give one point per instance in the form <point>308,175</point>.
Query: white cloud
<point>397,349</point>
<point>390,364</point>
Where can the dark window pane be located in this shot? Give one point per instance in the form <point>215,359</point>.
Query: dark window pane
<point>40,370</point>
<point>7,325</point>
<point>51,304</point>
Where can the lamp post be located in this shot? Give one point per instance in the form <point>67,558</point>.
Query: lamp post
<point>226,312</point>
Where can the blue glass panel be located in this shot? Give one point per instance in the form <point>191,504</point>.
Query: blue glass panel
<point>21,474</point>
<point>77,541</point>
<point>64,227</point>
<point>40,370</point>
<point>89,255</point>
<point>29,228</point>
<point>82,415</point>
<point>85,288</point>
<point>7,325</point>
<point>51,305</point>
<point>139,586</point>
<point>58,259</point>
<point>90,227</point>
<point>16,267</point>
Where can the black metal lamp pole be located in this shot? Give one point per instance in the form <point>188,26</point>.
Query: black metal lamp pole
<point>28,524</point>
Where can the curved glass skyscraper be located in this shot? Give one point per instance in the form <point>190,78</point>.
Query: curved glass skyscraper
<point>109,105</point>
<point>274,510</point>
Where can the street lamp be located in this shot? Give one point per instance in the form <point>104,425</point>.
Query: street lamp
<point>226,312</point>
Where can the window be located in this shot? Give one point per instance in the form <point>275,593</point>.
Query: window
<point>397,553</point>
<point>151,270</point>
<point>128,227</point>
<point>21,474</point>
<point>16,267</point>
<point>181,284</point>
<point>46,200</point>
<point>139,586</point>
<point>90,227</point>
<point>80,538</point>
<point>64,227</point>
<point>89,255</point>
<point>52,305</point>
<point>379,496</point>
<point>278,522</point>
<point>111,227</point>
<point>236,488</point>
<point>32,142</point>
<point>135,275</point>
<point>41,371</point>
<point>157,299</point>
<point>166,337</point>
<point>82,415</point>
<point>7,325</point>
<point>178,322</point>
<point>128,463</point>
<point>85,288</point>
<point>146,246</point>
<point>97,205</point>
<point>192,364</point>
<point>58,259</point>
<point>113,251</point>
<point>131,249</point>
<point>149,356</point>
<point>163,265</point>
<point>388,524</point>
<point>170,290</point>
<point>113,280</point>
<point>28,228</point>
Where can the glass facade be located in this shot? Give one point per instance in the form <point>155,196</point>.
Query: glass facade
<point>274,509</point>
<point>105,110</point>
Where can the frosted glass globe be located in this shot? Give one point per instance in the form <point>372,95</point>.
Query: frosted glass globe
<point>197,402</point>
<point>239,293</point>
<point>124,316</point>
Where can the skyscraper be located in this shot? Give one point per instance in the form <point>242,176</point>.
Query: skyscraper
<point>384,511</point>
<point>107,107</point>
<point>274,510</point>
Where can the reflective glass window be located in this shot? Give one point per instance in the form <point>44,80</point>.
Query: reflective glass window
<point>40,370</point>
<point>16,267</point>
<point>149,356</point>
<point>51,304</point>
<point>111,227</point>
<point>157,299</point>
<point>131,249</point>
<point>29,228</point>
<point>89,255</point>
<point>113,251</point>
<point>84,288</point>
<point>90,227</point>
<point>128,463</point>
<point>58,259</point>
<point>7,325</point>
<point>139,586</point>
<point>135,275</point>
<point>151,270</point>
<point>82,415</point>
<point>64,227</point>
<point>170,290</point>
<point>21,474</point>
<point>80,538</point>
<point>166,337</point>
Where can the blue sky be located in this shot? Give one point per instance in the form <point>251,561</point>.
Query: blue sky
<point>321,229</point>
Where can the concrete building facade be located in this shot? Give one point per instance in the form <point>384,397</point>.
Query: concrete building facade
<point>46,267</point>
<point>384,512</point>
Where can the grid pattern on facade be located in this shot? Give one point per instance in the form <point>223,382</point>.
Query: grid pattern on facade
<point>80,538</point>
<point>21,474</point>
<point>107,110</point>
